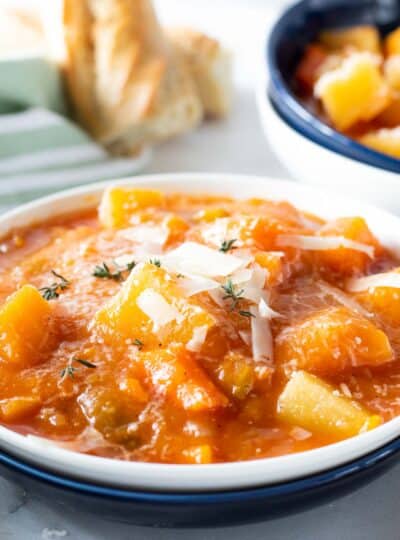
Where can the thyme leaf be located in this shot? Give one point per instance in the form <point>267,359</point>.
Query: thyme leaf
<point>156,262</point>
<point>104,271</point>
<point>227,245</point>
<point>139,344</point>
<point>236,297</point>
<point>53,291</point>
<point>85,363</point>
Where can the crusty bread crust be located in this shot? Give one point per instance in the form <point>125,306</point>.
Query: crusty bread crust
<point>128,85</point>
<point>210,65</point>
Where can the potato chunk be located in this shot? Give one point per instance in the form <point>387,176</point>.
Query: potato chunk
<point>119,204</point>
<point>383,140</point>
<point>24,326</point>
<point>151,307</point>
<point>312,404</point>
<point>175,373</point>
<point>347,261</point>
<point>362,38</point>
<point>331,341</point>
<point>353,92</point>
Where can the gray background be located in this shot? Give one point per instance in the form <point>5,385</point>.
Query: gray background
<point>236,145</point>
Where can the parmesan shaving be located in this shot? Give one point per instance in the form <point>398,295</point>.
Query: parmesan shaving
<point>261,338</point>
<point>343,299</point>
<point>151,238</point>
<point>192,258</point>
<point>198,338</point>
<point>192,285</point>
<point>323,243</point>
<point>265,311</point>
<point>386,279</point>
<point>154,305</point>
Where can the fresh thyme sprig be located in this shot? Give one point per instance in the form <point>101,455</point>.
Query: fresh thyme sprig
<point>54,290</point>
<point>156,262</point>
<point>139,344</point>
<point>236,297</point>
<point>227,245</point>
<point>69,370</point>
<point>104,271</point>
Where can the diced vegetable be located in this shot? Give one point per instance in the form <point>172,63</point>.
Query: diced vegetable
<point>353,92</point>
<point>211,214</point>
<point>392,72</point>
<point>236,375</point>
<point>331,341</point>
<point>312,404</point>
<point>177,228</point>
<point>348,261</point>
<point>390,116</point>
<point>150,307</point>
<point>201,454</point>
<point>383,140</point>
<point>362,38</point>
<point>16,408</point>
<point>309,67</point>
<point>119,204</point>
<point>24,326</point>
<point>392,43</point>
<point>380,295</point>
<point>272,262</point>
<point>177,375</point>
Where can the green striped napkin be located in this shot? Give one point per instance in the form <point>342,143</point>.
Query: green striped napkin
<point>41,150</point>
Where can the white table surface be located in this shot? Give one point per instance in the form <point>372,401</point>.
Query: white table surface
<point>236,145</point>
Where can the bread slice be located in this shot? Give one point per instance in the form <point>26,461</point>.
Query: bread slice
<point>128,85</point>
<point>210,65</point>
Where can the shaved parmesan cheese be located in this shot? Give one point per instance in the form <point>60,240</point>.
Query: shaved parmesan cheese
<point>241,276</point>
<point>265,311</point>
<point>261,338</point>
<point>199,336</point>
<point>154,305</point>
<point>192,258</point>
<point>197,284</point>
<point>217,231</point>
<point>386,279</point>
<point>343,299</point>
<point>323,243</point>
<point>151,238</point>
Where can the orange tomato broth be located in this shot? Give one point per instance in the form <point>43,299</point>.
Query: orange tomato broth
<point>105,381</point>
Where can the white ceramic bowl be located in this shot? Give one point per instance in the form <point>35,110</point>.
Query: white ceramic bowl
<point>314,164</point>
<point>215,477</point>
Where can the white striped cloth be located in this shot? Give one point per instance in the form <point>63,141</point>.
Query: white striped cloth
<point>41,150</point>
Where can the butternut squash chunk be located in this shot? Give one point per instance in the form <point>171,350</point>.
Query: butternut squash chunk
<point>331,341</point>
<point>176,374</point>
<point>151,307</point>
<point>119,204</point>
<point>353,92</point>
<point>24,326</point>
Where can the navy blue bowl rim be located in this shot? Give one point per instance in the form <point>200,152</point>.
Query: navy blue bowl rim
<point>293,487</point>
<point>297,116</point>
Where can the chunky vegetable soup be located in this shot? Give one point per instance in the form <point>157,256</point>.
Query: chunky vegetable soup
<point>350,78</point>
<point>196,329</point>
